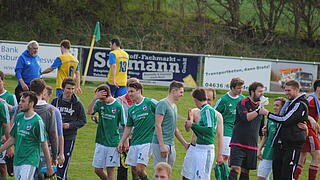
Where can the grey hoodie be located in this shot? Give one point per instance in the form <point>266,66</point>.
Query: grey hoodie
<point>47,114</point>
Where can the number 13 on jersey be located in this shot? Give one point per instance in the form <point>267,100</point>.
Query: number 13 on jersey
<point>123,66</point>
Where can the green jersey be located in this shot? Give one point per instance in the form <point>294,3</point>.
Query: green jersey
<point>142,117</point>
<point>226,105</point>
<point>10,99</point>
<point>4,117</point>
<point>205,129</point>
<point>271,131</point>
<point>168,126</point>
<point>28,133</point>
<point>110,116</point>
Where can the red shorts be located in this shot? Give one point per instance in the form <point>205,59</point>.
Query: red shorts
<point>312,142</point>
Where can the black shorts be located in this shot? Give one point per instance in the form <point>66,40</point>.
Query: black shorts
<point>243,157</point>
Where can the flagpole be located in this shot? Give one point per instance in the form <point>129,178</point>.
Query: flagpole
<point>88,60</point>
<point>95,37</point>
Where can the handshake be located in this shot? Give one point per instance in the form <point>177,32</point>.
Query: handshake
<point>263,102</point>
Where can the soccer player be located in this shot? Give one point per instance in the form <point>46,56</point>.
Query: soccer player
<point>141,118</point>
<point>28,135</point>
<point>194,115</point>
<point>208,126</point>
<point>45,111</point>
<point>4,129</point>
<point>226,105</point>
<point>265,165</point>
<point>117,76</point>
<point>27,68</point>
<point>289,137</point>
<point>10,99</point>
<point>5,95</point>
<point>126,102</point>
<point>312,144</point>
<point>73,118</point>
<point>244,140</point>
<point>47,94</point>
<point>162,171</point>
<point>166,126</point>
<point>111,115</point>
<point>67,65</point>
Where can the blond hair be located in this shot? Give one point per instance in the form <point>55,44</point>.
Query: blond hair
<point>164,166</point>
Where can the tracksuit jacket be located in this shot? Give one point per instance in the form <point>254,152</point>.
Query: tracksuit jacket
<point>288,133</point>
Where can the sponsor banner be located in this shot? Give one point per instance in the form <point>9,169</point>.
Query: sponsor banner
<point>9,54</point>
<point>282,72</point>
<point>218,72</point>
<point>146,66</point>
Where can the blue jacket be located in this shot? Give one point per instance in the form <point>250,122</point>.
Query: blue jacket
<point>28,67</point>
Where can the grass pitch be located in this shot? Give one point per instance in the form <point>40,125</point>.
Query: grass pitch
<point>80,166</point>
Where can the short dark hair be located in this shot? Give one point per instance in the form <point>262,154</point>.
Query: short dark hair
<point>293,83</point>
<point>1,75</point>
<point>315,84</point>
<point>253,86</point>
<point>68,80</point>
<point>49,90</point>
<point>37,85</point>
<point>236,82</point>
<point>199,94</point>
<point>175,85</point>
<point>281,99</point>
<point>103,87</point>
<point>65,43</point>
<point>116,41</point>
<point>136,85</point>
<point>32,97</point>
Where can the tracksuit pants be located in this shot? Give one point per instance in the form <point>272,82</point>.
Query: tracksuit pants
<point>63,170</point>
<point>285,160</point>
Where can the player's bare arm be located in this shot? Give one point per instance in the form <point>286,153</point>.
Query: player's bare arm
<point>48,70</point>
<point>220,138</point>
<point>126,133</point>
<point>7,144</point>
<point>78,88</point>
<point>158,128</point>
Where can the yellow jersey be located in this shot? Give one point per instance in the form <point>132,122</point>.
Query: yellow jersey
<point>121,59</point>
<point>67,65</point>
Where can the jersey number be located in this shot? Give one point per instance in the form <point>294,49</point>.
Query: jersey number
<point>71,69</point>
<point>123,66</point>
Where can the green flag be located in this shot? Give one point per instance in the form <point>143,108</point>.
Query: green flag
<point>97,31</point>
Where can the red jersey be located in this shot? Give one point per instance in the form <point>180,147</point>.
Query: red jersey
<point>312,142</point>
<point>313,108</point>
<point>313,112</point>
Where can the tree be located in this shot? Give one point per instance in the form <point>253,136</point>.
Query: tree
<point>231,16</point>
<point>269,13</point>
<point>306,15</point>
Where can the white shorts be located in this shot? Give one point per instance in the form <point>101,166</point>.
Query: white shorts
<point>105,157</point>
<point>226,148</point>
<point>24,172</point>
<point>264,168</point>
<point>187,166</point>
<point>157,154</point>
<point>138,154</point>
<point>2,156</point>
<point>202,160</point>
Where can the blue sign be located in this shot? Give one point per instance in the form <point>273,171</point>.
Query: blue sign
<point>145,66</point>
